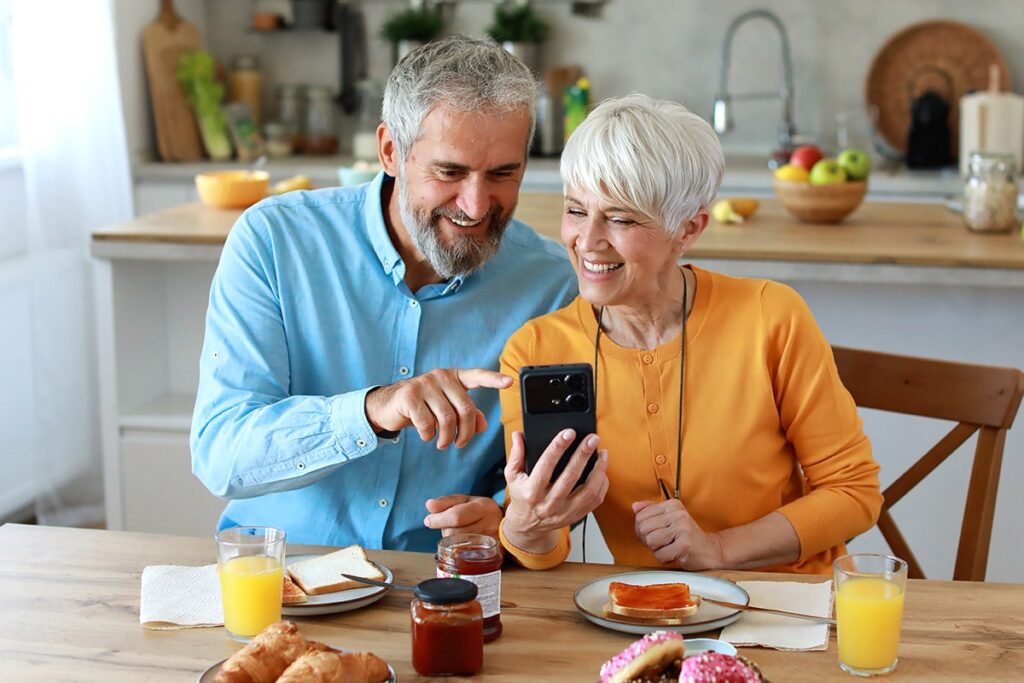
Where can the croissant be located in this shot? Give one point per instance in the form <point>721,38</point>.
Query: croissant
<point>331,666</point>
<point>266,656</point>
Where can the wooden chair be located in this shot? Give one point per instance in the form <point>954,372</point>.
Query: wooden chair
<point>978,398</point>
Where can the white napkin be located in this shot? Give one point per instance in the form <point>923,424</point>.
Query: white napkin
<point>180,597</point>
<point>783,633</point>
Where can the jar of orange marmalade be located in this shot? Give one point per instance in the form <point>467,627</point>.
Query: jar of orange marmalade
<point>447,628</point>
<point>476,558</point>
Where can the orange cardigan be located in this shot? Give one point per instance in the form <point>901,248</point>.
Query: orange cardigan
<point>768,424</point>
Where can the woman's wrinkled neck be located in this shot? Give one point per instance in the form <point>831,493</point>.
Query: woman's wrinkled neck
<point>651,323</point>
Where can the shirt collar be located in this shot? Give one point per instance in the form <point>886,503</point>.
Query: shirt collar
<point>377,231</point>
<point>385,250</point>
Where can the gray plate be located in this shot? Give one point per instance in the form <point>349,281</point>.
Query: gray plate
<point>207,676</point>
<point>590,599</point>
<point>341,601</point>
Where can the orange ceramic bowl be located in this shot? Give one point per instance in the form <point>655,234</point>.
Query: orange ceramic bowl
<point>232,189</point>
<point>820,203</point>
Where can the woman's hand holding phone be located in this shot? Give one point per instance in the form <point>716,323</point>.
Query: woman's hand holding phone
<point>539,508</point>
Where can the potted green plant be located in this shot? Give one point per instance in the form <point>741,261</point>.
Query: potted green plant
<point>520,30</point>
<point>411,27</point>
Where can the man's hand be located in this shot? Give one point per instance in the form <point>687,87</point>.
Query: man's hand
<point>459,514</point>
<point>436,404</point>
<point>668,529</point>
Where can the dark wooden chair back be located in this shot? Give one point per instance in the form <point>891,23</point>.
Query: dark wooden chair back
<point>979,398</point>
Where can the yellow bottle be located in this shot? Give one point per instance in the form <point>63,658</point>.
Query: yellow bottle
<point>251,592</point>
<point>868,614</point>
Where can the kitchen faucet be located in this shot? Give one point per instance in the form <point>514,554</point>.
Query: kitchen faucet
<point>722,116</point>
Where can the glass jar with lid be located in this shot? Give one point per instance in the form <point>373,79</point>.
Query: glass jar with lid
<point>289,112</point>
<point>990,193</point>
<point>476,558</point>
<point>321,134</point>
<point>447,628</point>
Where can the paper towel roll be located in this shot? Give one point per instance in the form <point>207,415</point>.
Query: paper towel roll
<point>991,122</point>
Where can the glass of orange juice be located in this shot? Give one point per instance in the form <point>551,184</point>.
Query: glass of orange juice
<point>869,609</point>
<point>250,561</point>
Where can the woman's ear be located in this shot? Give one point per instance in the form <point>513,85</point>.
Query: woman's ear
<point>691,229</point>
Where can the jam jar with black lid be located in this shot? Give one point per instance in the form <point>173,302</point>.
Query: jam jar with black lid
<point>447,628</point>
<point>476,558</point>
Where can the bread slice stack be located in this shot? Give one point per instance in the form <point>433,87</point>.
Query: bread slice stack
<point>323,574</point>
<point>661,603</point>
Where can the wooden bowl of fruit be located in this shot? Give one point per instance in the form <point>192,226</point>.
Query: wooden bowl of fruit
<point>820,203</point>
<point>820,190</point>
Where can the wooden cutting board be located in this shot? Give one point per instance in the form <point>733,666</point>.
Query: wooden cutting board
<point>163,42</point>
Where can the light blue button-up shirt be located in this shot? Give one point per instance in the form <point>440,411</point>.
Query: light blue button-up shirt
<point>308,311</point>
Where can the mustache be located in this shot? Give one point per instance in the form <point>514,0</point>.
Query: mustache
<point>493,215</point>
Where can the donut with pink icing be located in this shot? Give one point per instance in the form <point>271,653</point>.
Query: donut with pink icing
<point>645,659</point>
<point>714,667</point>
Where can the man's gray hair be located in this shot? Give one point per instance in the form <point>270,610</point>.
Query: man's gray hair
<point>650,156</point>
<point>462,74</point>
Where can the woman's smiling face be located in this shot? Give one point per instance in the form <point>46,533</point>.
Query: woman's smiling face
<point>621,257</point>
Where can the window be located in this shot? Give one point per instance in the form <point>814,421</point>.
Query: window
<point>8,127</point>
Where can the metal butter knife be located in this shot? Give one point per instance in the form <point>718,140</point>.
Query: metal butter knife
<point>779,612</point>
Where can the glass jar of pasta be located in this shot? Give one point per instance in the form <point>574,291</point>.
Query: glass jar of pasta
<point>990,193</point>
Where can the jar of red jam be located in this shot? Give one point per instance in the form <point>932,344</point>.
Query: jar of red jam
<point>476,558</point>
<point>447,628</point>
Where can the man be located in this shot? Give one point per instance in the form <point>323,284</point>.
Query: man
<point>339,317</point>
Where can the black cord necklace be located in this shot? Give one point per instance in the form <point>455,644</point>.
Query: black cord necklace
<point>682,377</point>
<point>682,380</point>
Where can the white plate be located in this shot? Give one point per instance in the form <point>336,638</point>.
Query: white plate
<point>339,601</point>
<point>590,599</point>
<point>207,676</point>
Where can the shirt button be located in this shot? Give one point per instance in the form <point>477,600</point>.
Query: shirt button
<point>383,502</point>
<point>652,407</point>
<point>300,465</point>
<point>403,370</point>
<point>647,358</point>
<point>660,459</point>
<point>414,303</point>
<point>395,440</point>
<point>361,443</point>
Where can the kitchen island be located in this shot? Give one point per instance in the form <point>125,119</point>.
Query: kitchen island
<point>901,278</point>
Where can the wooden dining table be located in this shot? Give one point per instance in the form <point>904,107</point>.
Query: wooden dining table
<point>69,611</point>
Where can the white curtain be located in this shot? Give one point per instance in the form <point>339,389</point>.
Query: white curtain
<point>77,178</point>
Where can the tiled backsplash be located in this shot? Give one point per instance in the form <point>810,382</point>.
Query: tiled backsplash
<point>665,48</point>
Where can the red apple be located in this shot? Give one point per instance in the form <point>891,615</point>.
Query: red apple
<point>806,156</point>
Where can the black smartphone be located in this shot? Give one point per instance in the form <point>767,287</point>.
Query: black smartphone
<point>554,398</point>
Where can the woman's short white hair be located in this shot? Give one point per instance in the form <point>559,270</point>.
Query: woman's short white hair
<point>460,73</point>
<point>650,156</point>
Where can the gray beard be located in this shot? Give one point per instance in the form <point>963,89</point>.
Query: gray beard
<point>466,253</point>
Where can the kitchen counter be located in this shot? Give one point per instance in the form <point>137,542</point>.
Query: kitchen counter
<point>902,241</point>
<point>743,174</point>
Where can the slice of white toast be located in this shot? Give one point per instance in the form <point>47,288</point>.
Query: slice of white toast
<point>323,574</point>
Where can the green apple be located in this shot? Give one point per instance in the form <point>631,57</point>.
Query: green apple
<point>856,163</point>
<point>827,172</point>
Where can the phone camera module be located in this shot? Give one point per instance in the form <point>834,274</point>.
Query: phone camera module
<point>555,381</point>
<point>574,382</point>
<point>576,401</point>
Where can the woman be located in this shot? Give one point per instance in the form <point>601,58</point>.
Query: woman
<point>763,464</point>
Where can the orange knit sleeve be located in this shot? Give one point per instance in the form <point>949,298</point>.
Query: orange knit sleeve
<point>517,353</point>
<point>821,421</point>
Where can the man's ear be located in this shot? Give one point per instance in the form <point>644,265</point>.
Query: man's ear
<point>691,229</point>
<point>386,150</point>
